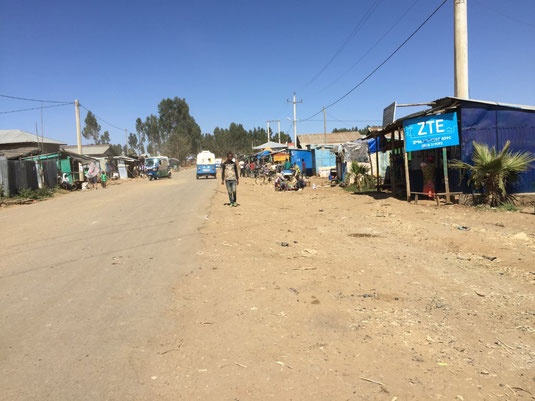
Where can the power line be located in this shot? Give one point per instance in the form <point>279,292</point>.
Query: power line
<point>398,20</point>
<point>380,65</point>
<point>101,119</point>
<point>355,30</point>
<point>340,121</point>
<point>34,108</point>
<point>35,100</point>
<point>483,5</point>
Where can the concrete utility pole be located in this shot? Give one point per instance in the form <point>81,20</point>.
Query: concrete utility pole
<point>78,131</point>
<point>267,131</point>
<point>461,48</point>
<point>78,140</point>
<point>278,127</point>
<point>295,117</point>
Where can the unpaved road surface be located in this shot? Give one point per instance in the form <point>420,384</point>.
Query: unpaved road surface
<point>149,291</point>
<point>86,288</point>
<point>370,299</point>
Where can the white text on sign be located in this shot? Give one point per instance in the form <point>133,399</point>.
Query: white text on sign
<point>439,127</point>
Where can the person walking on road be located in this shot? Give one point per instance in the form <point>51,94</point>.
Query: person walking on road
<point>230,177</point>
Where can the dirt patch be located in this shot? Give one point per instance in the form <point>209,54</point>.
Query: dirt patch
<point>420,311</point>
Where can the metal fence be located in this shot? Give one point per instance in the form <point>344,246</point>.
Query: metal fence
<point>23,174</point>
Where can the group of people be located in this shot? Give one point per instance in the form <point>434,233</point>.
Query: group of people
<point>232,170</point>
<point>95,176</point>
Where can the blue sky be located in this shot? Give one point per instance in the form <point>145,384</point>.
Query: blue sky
<point>238,61</point>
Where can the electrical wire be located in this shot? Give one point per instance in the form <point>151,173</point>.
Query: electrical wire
<point>34,108</point>
<point>339,121</point>
<point>381,64</point>
<point>353,33</point>
<point>482,4</point>
<point>398,20</point>
<point>101,119</point>
<point>35,100</point>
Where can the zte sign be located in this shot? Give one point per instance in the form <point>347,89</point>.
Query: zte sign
<point>431,132</point>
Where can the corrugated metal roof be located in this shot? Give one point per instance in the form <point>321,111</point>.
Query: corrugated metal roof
<point>271,144</point>
<point>513,106</point>
<point>19,136</point>
<point>19,152</point>
<point>91,150</point>
<point>332,138</point>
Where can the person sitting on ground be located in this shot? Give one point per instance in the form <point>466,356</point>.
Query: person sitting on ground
<point>300,183</point>
<point>65,183</point>
<point>281,184</point>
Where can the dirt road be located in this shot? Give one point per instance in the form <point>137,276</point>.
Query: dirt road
<point>87,288</point>
<point>326,295</point>
<point>312,295</point>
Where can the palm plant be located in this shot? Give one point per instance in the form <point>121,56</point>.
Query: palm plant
<point>491,171</point>
<point>360,172</point>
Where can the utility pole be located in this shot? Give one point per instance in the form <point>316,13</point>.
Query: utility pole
<point>324,127</point>
<point>295,117</point>
<point>126,139</point>
<point>42,128</point>
<point>267,131</point>
<point>78,140</point>
<point>461,48</point>
<point>78,131</point>
<point>279,130</point>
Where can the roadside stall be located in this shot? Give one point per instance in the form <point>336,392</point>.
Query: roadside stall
<point>422,143</point>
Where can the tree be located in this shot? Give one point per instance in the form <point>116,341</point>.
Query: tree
<point>173,131</point>
<point>132,142</point>
<point>105,137</point>
<point>91,130</point>
<point>117,149</point>
<point>491,171</point>
<point>177,146</point>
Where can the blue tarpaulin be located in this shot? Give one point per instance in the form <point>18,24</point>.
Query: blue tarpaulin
<point>371,145</point>
<point>494,125</point>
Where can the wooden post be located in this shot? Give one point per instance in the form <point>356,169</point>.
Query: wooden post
<point>446,178</point>
<point>377,160</point>
<point>392,157</point>
<point>407,178</point>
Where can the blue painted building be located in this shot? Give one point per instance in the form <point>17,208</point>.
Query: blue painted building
<point>321,145</point>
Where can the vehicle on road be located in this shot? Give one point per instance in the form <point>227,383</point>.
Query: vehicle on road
<point>157,167</point>
<point>206,166</point>
<point>218,163</point>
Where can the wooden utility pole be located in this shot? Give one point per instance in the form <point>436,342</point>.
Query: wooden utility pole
<point>324,127</point>
<point>126,139</point>
<point>461,49</point>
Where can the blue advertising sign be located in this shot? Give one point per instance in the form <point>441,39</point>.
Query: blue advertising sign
<point>431,132</point>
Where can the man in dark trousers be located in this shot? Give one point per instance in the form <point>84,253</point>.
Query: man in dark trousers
<point>230,177</point>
